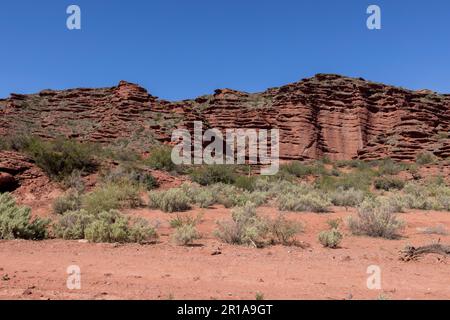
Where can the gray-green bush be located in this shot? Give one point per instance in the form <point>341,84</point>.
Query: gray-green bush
<point>186,234</point>
<point>16,221</point>
<point>106,226</point>
<point>68,202</point>
<point>172,200</point>
<point>330,238</point>
<point>376,219</point>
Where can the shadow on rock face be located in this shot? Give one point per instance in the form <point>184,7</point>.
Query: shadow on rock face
<point>7,182</point>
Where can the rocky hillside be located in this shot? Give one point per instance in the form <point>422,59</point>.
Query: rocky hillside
<point>327,115</point>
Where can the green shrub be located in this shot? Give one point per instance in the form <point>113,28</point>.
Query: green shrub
<point>111,196</point>
<point>433,196</point>
<point>425,158</point>
<point>355,163</point>
<point>68,202</point>
<point>75,182</point>
<point>72,225</point>
<point>211,174</point>
<point>140,231</point>
<point>358,180</point>
<point>347,198</point>
<point>59,158</point>
<point>245,182</point>
<point>181,220</point>
<point>330,238</point>
<point>161,158</point>
<point>390,167</point>
<point>263,184</point>
<point>375,219</point>
<point>284,231</point>
<point>107,226</point>
<point>131,174</point>
<point>172,200</point>
<point>312,201</point>
<point>17,141</point>
<point>245,228</point>
<point>202,197</point>
<point>301,170</point>
<point>121,151</point>
<point>334,223</point>
<point>388,183</point>
<point>230,196</point>
<point>186,234</point>
<point>16,222</point>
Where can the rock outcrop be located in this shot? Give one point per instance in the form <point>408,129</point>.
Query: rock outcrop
<point>324,116</point>
<point>19,173</point>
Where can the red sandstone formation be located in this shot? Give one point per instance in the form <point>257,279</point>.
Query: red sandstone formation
<point>327,115</point>
<point>17,170</point>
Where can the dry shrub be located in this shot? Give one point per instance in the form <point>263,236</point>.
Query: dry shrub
<point>106,226</point>
<point>376,219</point>
<point>172,200</point>
<point>330,238</point>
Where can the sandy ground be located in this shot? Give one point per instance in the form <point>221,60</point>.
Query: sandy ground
<point>38,270</point>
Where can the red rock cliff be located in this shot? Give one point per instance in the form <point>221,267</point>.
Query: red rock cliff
<point>327,115</point>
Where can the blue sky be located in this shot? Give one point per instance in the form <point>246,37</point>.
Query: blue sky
<point>181,49</point>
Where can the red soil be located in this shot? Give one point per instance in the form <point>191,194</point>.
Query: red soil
<point>37,270</point>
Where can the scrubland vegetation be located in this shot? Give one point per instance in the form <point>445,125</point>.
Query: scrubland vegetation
<point>376,189</point>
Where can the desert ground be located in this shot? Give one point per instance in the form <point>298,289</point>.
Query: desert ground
<point>210,269</point>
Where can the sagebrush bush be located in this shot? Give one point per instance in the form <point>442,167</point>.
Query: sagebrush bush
<point>263,184</point>
<point>283,231</point>
<point>211,174</point>
<point>433,196</point>
<point>106,226</point>
<point>74,181</point>
<point>245,228</point>
<point>172,200</point>
<point>181,220</point>
<point>376,219</point>
<point>245,182</point>
<point>111,196</point>
<point>334,223</point>
<point>16,221</point>
<point>425,158</point>
<point>388,183</point>
<point>72,225</point>
<point>248,228</point>
<point>203,197</point>
<point>69,202</point>
<point>301,170</point>
<point>186,234</point>
<point>347,198</point>
<point>161,158</point>
<point>131,174</point>
<point>390,167</point>
<point>312,201</point>
<point>361,179</point>
<point>140,231</point>
<point>330,238</point>
<point>230,196</point>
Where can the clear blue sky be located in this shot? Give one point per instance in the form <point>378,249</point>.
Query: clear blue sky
<point>185,48</point>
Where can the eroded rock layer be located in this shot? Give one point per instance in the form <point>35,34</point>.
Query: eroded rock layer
<point>327,115</point>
